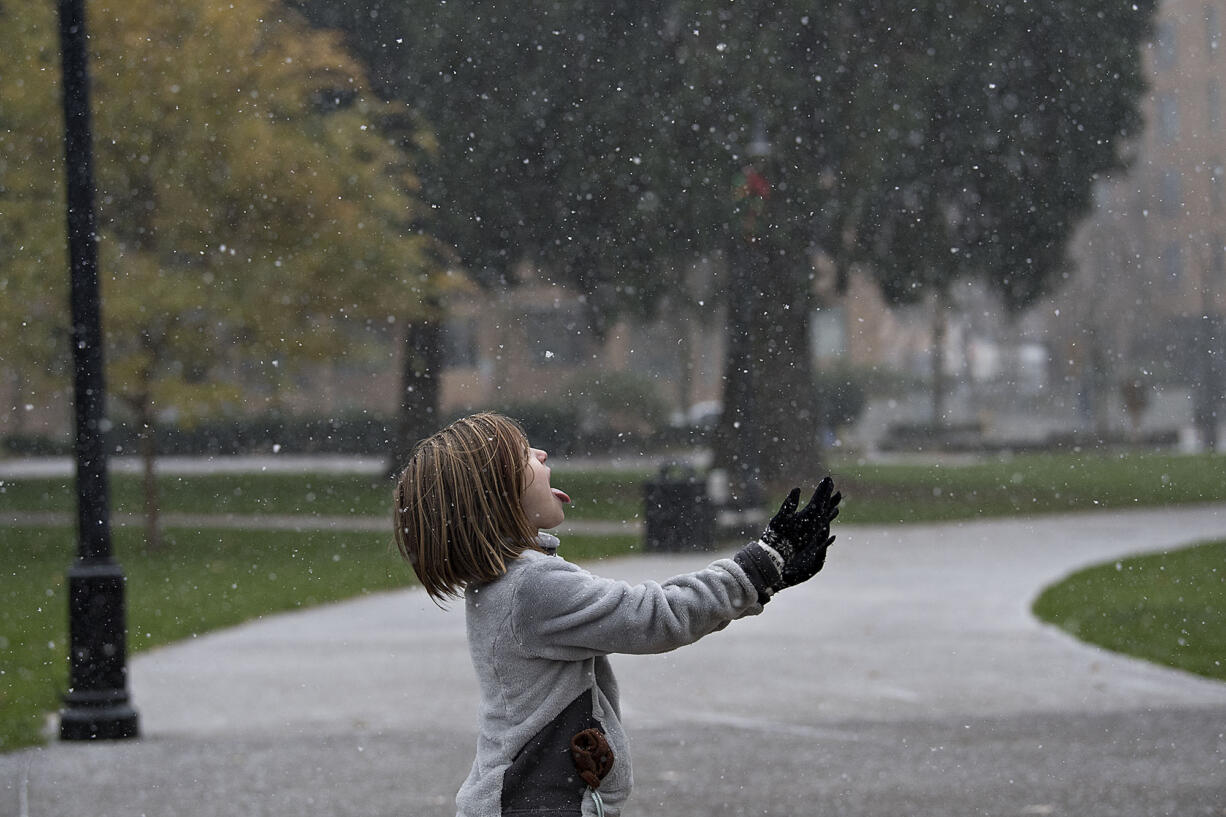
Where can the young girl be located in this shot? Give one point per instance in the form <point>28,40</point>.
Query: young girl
<point>470,508</point>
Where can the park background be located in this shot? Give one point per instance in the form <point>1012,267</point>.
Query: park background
<point>773,238</point>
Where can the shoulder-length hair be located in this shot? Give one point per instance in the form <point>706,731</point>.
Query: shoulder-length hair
<point>459,512</point>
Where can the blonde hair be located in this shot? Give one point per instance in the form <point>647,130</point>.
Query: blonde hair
<point>459,512</point>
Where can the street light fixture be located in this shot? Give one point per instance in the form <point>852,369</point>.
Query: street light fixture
<point>96,705</point>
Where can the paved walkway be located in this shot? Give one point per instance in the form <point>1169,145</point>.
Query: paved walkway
<point>908,679</point>
<point>290,522</point>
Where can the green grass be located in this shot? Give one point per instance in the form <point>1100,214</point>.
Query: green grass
<point>873,493</point>
<point>602,495</point>
<point>1169,608</point>
<point>217,494</point>
<point>1030,485</point>
<point>584,548</point>
<point>203,580</point>
<point>597,495</point>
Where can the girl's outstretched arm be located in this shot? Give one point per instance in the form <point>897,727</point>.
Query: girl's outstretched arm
<point>563,612</point>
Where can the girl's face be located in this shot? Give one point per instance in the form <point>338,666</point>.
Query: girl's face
<point>542,504</point>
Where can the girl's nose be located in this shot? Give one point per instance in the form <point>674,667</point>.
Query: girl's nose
<point>541,456</point>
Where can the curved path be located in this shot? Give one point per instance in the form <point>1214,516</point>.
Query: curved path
<point>908,679</point>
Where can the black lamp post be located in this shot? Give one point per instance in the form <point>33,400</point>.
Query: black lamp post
<point>96,705</point>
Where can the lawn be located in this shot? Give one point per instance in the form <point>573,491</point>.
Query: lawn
<point>597,495</point>
<point>1169,608</point>
<point>201,581</point>
<point>1029,485</point>
<point>873,493</point>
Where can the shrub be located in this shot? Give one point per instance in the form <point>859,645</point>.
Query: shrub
<point>617,402</point>
<point>351,433</point>
<point>550,424</point>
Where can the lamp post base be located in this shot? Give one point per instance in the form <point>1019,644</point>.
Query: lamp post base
<point>115,722</point>
<point>97,705</point>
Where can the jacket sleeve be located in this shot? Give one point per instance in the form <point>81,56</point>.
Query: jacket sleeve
<point>562,612</point>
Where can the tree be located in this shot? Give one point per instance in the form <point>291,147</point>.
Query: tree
<point>605,142</point>
<point>928,142</point>
<point>601,143</point>
<point>545,122</point>
<point>252,214</point>
<point>33,303</point>
<point>803,98</point>
<point>1023,107</point>
<point>552,128</point>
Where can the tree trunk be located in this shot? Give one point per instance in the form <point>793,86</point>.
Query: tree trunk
<point>768,431</point>
<point>418,415</point>
<point>737,436</point>
<point>685,367</point>
<point>791,442</point>
<point>1100,373</point>
<point>1207,392</point>
<point>18,415</point>
<point>147,442</point>
<point>940,331</point>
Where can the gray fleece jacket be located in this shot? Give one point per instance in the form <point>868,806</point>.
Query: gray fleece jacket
<point>539,638</point>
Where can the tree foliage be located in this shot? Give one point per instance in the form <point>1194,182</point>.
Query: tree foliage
<point>1017,109</point>
<point>798,94</point>
<point>926,142</point>
<point>600,142</point>
<point>1022,106</point>
<point>551,126</point>
<point>249,205</point>
<point>555,130</point>
<point>608,141</point>
<point>33,302</point>
<point>253,212</point>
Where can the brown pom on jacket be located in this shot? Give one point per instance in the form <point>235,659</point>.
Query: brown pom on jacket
<point>592,755</point>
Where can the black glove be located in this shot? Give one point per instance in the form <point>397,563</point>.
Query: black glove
<point>801,539</point>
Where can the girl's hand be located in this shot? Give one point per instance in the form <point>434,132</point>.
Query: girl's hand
<point>790,532</point>
<point>801,538</point>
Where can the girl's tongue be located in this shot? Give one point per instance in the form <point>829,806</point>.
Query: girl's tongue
<point>561,495</point>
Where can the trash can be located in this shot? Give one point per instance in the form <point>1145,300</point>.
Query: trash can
<point>678,514</point>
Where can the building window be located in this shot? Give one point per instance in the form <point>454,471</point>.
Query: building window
<point>1213,29</point>
<point>1171,194</point>
<point>1165,49</point>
